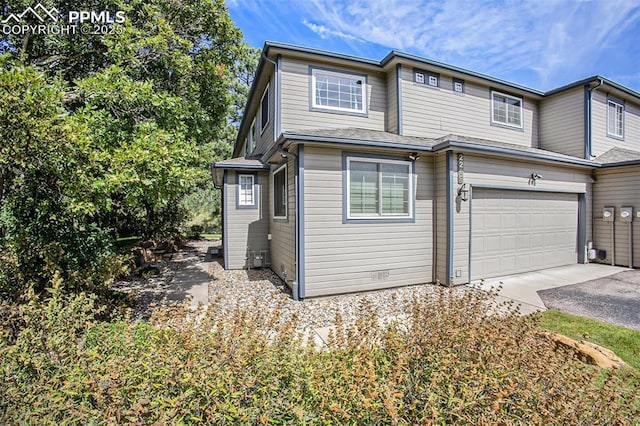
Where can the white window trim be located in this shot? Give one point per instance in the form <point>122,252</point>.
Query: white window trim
<point>621,107</point>
<point>380,215</point>
<point>263,126</point>
<point>507,124</point>
<point>362,77</point>
<point>241,202</point>
<point>251,140</point>
<point>286,189</point>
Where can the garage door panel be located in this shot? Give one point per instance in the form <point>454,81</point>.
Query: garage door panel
<point>519,231</point>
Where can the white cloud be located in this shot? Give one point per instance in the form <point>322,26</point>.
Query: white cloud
<point>500,38</point>
<point>325,32</point>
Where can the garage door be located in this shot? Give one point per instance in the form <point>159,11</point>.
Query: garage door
<point>521,231</point>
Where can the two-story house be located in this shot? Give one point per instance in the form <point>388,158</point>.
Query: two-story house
<point>352,174</point>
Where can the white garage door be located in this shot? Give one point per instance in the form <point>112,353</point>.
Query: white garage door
<point>520,231</point>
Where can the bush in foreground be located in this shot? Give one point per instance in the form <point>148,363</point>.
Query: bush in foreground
<point>448,360</point>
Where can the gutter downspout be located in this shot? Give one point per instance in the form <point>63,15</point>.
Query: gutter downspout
<point>295,285</point>
<point>588,149</point>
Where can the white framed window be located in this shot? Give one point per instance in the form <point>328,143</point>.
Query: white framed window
<point>264,109</point>
<point>458,85</point>
<point>251,139</point>
<point>378,188</point>
<point>338,91</point>
<point>506,110</point>
<point>427,78</point>
<point>280,194</point>
<point>615,119</point>
<point>246,190</point>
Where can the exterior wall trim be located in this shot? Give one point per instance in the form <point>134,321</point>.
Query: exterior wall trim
<point>225,223</point>
<point>256,191</point>
<point>516,188</point>
<point>582,228</point>
<point>399,94</point>
<point>449,185</point>
<point>300,224</point>
<point>278,99</point>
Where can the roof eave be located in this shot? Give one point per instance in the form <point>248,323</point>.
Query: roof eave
<point>511,153</point>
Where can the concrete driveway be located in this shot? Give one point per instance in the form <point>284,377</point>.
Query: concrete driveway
<point>613,299</point>
<point>523,288</point>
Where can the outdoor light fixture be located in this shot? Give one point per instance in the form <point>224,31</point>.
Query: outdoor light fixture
<point>535,176</point>
<point>413,156</point>
<point>463,192</point>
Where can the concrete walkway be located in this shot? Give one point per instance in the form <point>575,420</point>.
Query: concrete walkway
<point>523,288</point>
<point>191,278</point>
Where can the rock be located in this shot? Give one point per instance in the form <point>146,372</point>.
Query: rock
<point>587,352</point>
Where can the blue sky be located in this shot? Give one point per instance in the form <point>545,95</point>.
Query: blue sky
<point>540,44</point>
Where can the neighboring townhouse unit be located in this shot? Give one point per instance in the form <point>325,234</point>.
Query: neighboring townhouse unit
<point>351,174</point>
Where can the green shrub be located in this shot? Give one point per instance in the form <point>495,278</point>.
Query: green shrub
<point>455,358</point>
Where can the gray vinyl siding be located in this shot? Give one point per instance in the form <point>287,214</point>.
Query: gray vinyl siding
<point>437,112</point>
<point>508,174</point>
<point>246,228</point>
<point>296,114</point>
<point>601,143</point>
<point>440,220</point>
<point>618,187</point>
<point>562,123</point>
<point>346,257</point>
<point>266,137</point>
<point>283,236</point>
<point>392,102</point>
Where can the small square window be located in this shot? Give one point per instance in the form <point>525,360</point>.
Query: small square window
<point>458,85</point>
<point>433,81</point>
<point>419,78</point>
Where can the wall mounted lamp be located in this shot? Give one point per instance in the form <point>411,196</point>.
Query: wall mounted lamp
<point>535,176</point>
<point>413,156</point>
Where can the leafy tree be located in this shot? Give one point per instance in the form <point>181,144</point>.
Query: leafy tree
<point>204,203</point>
<point>107,133</point>
<point>45,217</point>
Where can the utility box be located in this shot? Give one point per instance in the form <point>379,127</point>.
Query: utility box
<point>608,214</point>
<point>626,214</point>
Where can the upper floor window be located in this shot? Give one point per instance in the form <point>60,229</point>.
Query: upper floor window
<point>458,85</point>
<point>338,91</point>
<point>506,110</point>
<point>615,119</point>
<point>264,109</point>
<point>427,78</point>
<point>378,188</point>
<point>252,138</point>
<point>279,185</point>
<point>246,191</point>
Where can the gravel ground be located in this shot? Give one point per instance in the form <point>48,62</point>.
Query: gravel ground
<point>262,290</point>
